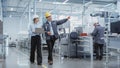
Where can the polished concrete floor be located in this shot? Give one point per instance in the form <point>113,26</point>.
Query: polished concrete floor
<point>20,59</point>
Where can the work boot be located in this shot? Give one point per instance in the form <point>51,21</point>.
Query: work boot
<point>50,62</point>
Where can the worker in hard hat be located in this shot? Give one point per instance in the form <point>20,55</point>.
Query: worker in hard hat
<point>35,40</point>
<point>51,33</point>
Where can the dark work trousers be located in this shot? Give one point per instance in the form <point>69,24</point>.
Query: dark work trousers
<point>50,44</point>
<point>98,50</point>
<point>36,44</point>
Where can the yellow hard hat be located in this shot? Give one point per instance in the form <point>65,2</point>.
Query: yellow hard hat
<point>47,14</point>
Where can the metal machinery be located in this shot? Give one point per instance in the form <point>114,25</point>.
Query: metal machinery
<point>3,43</point>
<point>2,52</point>
<point>112,44</point>
<point>3,40</point>
<point>111,39</point>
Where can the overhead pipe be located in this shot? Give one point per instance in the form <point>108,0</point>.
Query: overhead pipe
<point>29,17</point>
<point>34,6</point>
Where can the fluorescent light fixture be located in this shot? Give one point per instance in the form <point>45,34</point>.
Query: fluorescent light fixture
<point>65,1</point>
<point>57,3</point>
<point>40,0</point>
<point>32,10</point>
<point>108,5</point>
<point>11,9</point>
<point>89,3</point>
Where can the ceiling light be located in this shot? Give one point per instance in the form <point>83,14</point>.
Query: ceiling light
<point>11,9</point>
<point>87,4</point>
<point>65,1</point>
<point>40,0</point>
<point>108,5</point>
<point>57,3</point>
<point>32,10</point>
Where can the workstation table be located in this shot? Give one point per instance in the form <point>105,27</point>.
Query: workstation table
<point>87,43</point>
<point>84,42</point>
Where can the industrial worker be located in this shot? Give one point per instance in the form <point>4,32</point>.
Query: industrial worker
<point>35,40</point>
<point>98,39</point>
<point>51,33</point>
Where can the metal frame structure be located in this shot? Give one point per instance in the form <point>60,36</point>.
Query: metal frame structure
<point>1,11</point>
<point>7,5</point>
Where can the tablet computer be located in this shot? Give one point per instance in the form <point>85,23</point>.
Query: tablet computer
<point>39,30</point>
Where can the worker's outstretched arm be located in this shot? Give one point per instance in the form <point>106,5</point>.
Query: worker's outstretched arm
<point>62,21</point>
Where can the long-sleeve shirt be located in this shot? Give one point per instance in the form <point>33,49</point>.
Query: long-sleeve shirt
<point>98,35</point>
<point>32,28</point>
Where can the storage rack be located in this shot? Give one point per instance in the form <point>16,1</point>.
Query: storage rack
<point>3,47</point>
<point>86,42</point>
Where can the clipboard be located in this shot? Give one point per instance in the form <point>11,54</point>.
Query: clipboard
<point>39,30</point>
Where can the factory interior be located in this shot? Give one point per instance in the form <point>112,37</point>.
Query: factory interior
<point>77,28</point>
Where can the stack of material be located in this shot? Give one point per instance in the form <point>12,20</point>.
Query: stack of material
<point>1,39</point>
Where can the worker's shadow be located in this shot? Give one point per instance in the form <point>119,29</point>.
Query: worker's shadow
<point>36,66</point>
<point>50,66</point>
<point>32,66</point>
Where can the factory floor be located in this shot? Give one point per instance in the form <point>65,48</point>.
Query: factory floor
<point>17,58</point>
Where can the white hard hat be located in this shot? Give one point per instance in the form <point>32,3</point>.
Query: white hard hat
<point>35,16</point>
